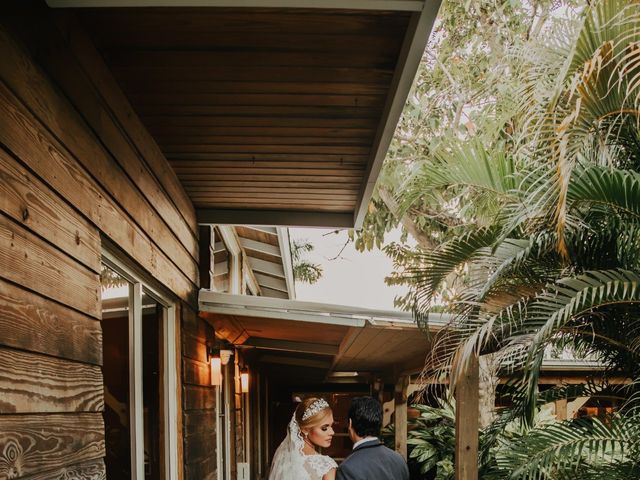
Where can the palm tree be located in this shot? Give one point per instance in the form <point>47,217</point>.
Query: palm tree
<point>552,254</point>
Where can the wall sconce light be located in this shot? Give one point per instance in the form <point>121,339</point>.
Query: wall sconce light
<point>215,363</point>
<point>216,359</point>
<point>244,380</point>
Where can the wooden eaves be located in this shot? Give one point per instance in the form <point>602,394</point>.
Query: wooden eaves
<point>299,140</point>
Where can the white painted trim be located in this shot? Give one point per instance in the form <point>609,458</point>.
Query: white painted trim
<point>411,54</point>
<point>393,5</point>
<point>261,247</point>
<point>287,262</point>
<point>228,398</point>
<point>251,280</point>
<point>231,241</point>
<point>310,311</point>
<point>270,268</point>
<point>219,429</point>
<point>285,218</point>
<point>551,364</point>
<point>170,388</point>
<point>140,283</point>
<point>281,315</point>
<point>271,282</point>
<point>136,406</point>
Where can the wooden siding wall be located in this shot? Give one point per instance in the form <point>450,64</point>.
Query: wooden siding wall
<point>76,165</point>
<point>199,400</point>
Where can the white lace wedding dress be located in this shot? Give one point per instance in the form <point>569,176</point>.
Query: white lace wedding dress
<point>290,463</point>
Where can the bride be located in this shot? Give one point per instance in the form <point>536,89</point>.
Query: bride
<point>296,457</point>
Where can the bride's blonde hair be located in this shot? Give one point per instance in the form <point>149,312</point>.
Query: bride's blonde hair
<point>316,417</point>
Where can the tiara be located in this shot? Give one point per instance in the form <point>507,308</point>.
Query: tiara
<point>314,408</point>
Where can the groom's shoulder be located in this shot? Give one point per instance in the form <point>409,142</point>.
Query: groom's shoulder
<point>391,453</point>
<point>377,450</point>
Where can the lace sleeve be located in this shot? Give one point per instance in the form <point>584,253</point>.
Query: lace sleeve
<point>318,465</point>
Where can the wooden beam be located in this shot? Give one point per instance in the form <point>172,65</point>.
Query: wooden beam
<point>236,254</point>
<point>250,278</point>
<point>249,244</point>
<point>285,218</point>
<point>262,266</point>
<point>393,5</point>
<point>467,413</point>
<point>270,282</point>
<point>400,416</point>
<point>413,47</point>
<point>296,362</point>
<point>290,346</point>
<point>269,292</point>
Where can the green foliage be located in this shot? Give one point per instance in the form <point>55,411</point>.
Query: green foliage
<point>303,270</point>
<point>523,193</point>
<point>431,439</point>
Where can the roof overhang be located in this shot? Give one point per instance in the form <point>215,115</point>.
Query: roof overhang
<point>333,339</point>
<point>276,170</point>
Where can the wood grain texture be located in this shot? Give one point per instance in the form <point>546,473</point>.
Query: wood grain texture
<point>31,262</point>
<point>28,140</point>
<point>94,470</point>
<point>194,347</point>
<point>203,421</point>
<point>71,78</point>
<point>257,83</point>
<point>37,92</point>
<point>34,383</point>
<point>196,373</point>
<point>93,65</point>
<point>40,443</point>
<point>29,201</point>
<point>202,470</point>
<point>31,322</point>
<point>199,398</point>
<point>198,447</point>
<point>467,418</point>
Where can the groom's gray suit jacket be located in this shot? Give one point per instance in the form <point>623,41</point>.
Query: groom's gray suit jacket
<point>373,461</point>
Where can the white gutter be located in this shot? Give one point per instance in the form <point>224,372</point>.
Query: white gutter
<point>571,364</point>
<point>315,312</point>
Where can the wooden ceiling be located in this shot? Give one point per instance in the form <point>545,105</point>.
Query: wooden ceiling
<point>262,109</point>
<point>383,348</point>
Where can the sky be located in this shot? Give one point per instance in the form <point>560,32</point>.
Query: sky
<point>354,278</point>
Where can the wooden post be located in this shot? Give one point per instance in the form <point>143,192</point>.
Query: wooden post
<point>400,415</point>
<point>561,409</point>
<point>467,414</point>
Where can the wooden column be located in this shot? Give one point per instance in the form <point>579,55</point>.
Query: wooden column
<point>206,248</point>
<point>561,409</point>
<point>401,415</point>
<point>467,413</point>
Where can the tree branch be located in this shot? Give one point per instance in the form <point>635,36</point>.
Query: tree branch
<point>407,222</point>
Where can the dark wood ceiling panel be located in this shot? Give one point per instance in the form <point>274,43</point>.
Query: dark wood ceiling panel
<point>261,109</point>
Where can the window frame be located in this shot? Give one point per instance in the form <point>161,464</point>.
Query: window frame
<point>141,283</point>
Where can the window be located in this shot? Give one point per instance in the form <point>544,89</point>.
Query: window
<point>139,367</point>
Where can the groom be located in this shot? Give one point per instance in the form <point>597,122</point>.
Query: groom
<point>370,459</point>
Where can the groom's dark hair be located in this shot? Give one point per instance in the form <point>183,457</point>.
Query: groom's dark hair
<point>365,414</point>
